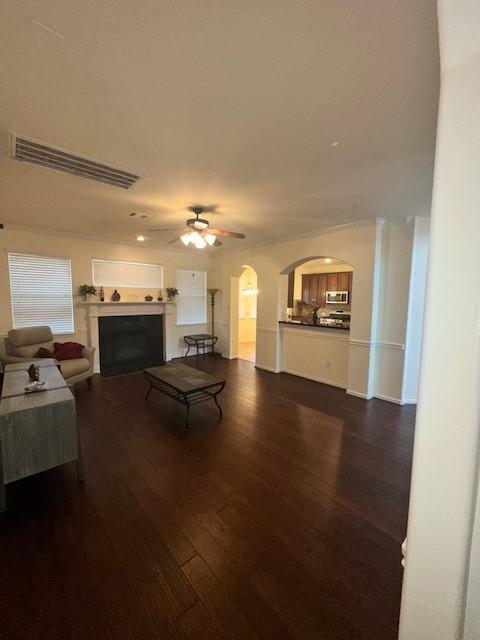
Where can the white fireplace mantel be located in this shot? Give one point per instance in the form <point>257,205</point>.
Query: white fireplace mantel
<point>98,309</point>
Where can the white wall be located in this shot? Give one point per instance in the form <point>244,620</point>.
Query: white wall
<point>445,461</point>
<point>416,306</point>
<point>81,252</point>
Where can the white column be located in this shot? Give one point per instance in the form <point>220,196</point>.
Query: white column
<point>447,433</point>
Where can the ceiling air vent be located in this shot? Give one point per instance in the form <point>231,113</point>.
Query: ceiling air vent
<point>46,155</point>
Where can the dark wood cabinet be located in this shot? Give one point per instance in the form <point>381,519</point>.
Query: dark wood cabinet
<point>315,286</point>
<point>343,281</point>
<point>322,289</point>
<point>332,281</point>
<point>306,289</point>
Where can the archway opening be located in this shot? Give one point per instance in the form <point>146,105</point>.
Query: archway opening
<point>319,291</point>
<point>247,314</point>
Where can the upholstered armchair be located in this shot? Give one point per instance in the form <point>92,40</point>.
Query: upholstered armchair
<point>21,345</point>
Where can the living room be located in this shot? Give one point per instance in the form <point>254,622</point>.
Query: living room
<point>223,339</point>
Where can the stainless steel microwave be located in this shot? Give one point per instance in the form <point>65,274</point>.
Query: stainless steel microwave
<point>337,297</point>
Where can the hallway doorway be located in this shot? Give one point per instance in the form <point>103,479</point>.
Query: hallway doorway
<point>247,314</point>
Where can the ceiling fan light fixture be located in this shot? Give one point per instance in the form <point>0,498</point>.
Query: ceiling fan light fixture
<point>200,243</point>
<point>186,239</point>
<point>210,239</point>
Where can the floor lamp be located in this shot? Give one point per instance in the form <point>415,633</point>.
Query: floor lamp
<point>212,293</point>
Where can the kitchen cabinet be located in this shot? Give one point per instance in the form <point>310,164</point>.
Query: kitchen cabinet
<point>332,282</point>
<point>315,286</point>
<point>343,281</point>
<point>306,289</point>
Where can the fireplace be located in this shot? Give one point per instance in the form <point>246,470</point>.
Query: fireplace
<point>130,343</point>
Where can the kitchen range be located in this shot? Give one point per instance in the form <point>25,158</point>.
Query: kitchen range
<point>337,319</point>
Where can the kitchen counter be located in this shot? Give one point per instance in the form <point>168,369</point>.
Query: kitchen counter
<point>297,323</point>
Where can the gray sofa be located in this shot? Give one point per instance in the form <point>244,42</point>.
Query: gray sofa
<point>21,345</point>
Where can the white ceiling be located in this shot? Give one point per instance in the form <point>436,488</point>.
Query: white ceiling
<point>229,103</point>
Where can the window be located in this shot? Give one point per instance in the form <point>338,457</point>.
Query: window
<point>116,273</point>
<point>41,292</point>
<point>192,297</point>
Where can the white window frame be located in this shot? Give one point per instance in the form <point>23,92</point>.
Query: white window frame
<point>68,295</point>
<point>117,283</point>
<point>179,298</point>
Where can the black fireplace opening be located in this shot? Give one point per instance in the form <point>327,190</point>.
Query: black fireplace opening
<point>130,343</point>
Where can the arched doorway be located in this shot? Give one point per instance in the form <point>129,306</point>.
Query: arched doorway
<point>247,314</point>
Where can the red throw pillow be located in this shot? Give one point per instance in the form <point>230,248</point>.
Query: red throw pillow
<point>67,350</point>
<point>43,352</point>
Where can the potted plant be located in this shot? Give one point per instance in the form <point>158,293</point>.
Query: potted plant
<point>85,290</point>
<point>315,315</point>
<point>171,293</point>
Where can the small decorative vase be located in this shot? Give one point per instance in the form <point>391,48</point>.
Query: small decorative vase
<point>148,298</point>
<point>115,296</point>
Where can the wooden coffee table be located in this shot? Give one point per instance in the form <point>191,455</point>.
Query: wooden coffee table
<point>185,385</point>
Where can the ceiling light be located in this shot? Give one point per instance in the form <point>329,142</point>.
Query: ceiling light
<point>200,243</point>
<point>210,238</point>
<point>335,143</point>
<point>141,238</point>
<point>185,239</point>
<point>328,260</point>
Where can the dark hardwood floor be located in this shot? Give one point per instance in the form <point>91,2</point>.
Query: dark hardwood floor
<point>283,521</point>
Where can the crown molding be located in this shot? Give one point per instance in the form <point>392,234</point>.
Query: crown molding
<point>300,236</point>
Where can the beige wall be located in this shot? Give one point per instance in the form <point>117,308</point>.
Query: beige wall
<point>380,255</point>
<point>355,246</point>
<point>81,252</point>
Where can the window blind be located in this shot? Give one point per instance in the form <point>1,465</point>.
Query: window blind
<point>192,297</point>
<point>116,273</point>
<point>41,292</point>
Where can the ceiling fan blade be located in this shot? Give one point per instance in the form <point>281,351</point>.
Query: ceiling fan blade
<point>172,229</point>
<point>174,240</point>
<point>228,234</point>
<point>217,243</point>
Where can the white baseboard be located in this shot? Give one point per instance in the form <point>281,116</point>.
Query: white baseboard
<point>379,396</point>
<point>265,368</point>
<point>410,401</point>
<point>314,378</point>
<point>357,394</point>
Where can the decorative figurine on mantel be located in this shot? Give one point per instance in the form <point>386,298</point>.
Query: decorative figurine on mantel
<point>102,295</point>
<point>115,296</point>
<point>33,373</point>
